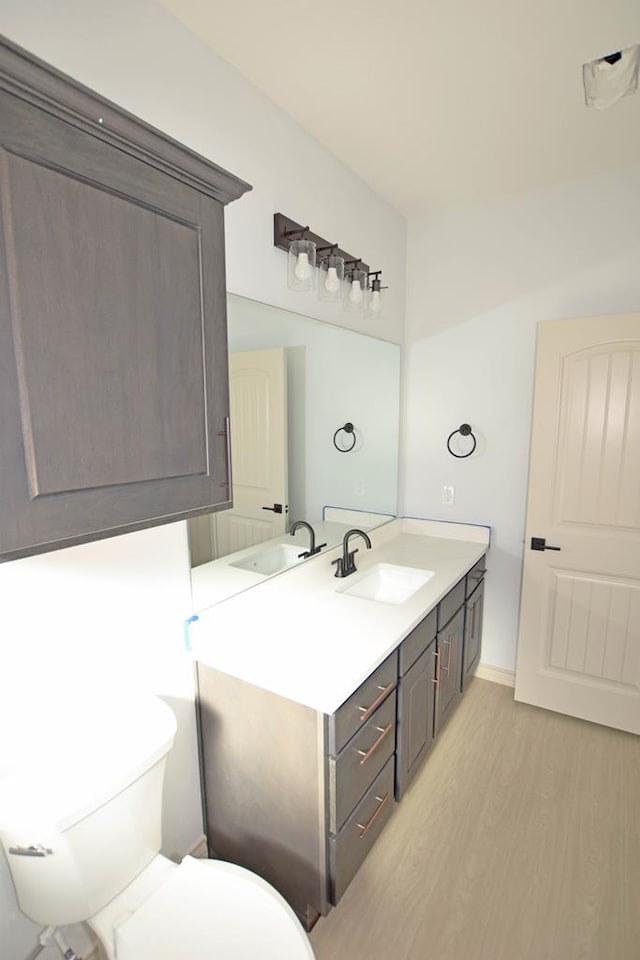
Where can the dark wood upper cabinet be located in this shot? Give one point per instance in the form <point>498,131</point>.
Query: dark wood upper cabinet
<point>113,342</point>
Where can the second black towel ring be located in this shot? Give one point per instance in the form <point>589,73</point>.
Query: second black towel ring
<point>349,429</point>
<point>465,431</point>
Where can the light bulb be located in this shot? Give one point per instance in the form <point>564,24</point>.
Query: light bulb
<point>331,281</point>
<point>355,293</point>
<point>302,268</point>
<point>375,303</point>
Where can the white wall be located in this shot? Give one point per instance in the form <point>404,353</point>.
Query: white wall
<point>113,610</point>
<point>105,616</point>
<point>479,279</point>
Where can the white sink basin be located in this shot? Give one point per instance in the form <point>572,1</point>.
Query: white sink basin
<point>388,583</point>
<point>270,560</point>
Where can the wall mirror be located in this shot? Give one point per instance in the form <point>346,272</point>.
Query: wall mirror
<point>295,382</point>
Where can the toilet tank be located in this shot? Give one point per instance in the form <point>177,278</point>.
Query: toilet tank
<point>80,803</point>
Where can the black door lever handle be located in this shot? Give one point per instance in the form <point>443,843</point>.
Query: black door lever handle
<point>276,508</point>
<point>539,543</point>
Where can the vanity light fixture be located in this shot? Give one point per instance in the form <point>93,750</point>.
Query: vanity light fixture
<point>293,237</point>
<point>341,276</point>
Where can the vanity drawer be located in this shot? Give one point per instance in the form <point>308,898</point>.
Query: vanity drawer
<point>450,604</point>
<point>348,849</point>
<point>475,575</point>
<point>417,641</point>
<point>360,761</point>
<point>355,711</point>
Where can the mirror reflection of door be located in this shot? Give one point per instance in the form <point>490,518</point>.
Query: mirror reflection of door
<point>258,401</point>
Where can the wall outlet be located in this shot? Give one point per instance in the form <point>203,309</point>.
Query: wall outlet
<point>448,495</point>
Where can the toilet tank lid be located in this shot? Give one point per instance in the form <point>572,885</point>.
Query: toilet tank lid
<point>63,760</point>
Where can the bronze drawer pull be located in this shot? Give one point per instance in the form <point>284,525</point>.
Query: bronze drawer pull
<point>365,826</point>
<point>383,731</point>
<point>367,711</point>
<point>436,679</point>
<point>448,643</point>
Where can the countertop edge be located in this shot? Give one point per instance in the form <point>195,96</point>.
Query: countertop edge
<point>248,613</point>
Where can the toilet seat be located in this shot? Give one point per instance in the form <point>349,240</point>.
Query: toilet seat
<point>212,909</point>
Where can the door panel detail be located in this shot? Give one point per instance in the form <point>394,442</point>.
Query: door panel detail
<point>250,407</point>
<point>258,388</point>
<point>595,627</point>
<point>599,443</point>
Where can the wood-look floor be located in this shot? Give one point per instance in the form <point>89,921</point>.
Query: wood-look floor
<point>519,840</point>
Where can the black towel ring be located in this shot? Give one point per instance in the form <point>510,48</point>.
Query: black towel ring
<point>465,431</point>
<point>348,428</point>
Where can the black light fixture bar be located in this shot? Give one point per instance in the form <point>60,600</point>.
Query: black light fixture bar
<point>286,230</point>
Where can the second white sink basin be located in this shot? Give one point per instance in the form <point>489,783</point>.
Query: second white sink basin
<point>271,560</point>
<point>388,583</point>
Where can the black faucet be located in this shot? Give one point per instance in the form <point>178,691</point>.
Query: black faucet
<point>312,537</point>
<point>345,565</point>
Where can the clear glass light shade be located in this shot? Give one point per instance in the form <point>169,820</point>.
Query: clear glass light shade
<point>330,277</point>
<point>375,304</point>
<point>302,265</point>
<point>354,289</point>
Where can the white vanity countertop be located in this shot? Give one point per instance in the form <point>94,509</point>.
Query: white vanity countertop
<point>220,579</point>
<point>298,636</point>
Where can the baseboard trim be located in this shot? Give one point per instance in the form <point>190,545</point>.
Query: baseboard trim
<point>198,849</point>
<point>496,674</point>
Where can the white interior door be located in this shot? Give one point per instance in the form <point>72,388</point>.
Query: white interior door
<point>258,401</point>
<point>579,641</point>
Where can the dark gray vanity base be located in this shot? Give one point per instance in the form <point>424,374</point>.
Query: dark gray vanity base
<point>300,797</point>
<point>277,801</point>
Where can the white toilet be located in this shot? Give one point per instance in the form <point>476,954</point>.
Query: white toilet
<point>80,823</point>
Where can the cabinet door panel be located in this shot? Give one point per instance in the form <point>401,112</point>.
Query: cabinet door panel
<point>113,359</point>
<point>104,332</point>
<point>416,719</point>
<point>472,633</point>
<point>449,647</point>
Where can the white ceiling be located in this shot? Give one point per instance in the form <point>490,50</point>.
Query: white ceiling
<point>437,102</point>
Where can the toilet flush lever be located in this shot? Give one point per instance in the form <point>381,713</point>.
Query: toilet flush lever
<point>35,850</point>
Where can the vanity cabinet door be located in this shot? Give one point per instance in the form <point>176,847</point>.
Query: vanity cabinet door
<point>472,633</point>
<point>113,353</point>
<point>416,701</point>
<point>449,644</point>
